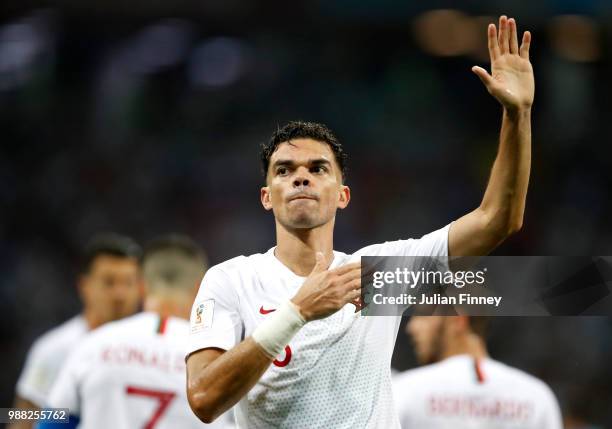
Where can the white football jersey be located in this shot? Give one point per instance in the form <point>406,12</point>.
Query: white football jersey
<point>464,393</point>
<point>129,374</point>
<point>335,372</point>
<point>45,360</point>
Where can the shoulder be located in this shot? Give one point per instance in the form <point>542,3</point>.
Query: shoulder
<point>179,325</point>
<point>433,244</point>
<point>46,357</point>
<point>411,385</point>
<point>414,377</point>
<point>177,334</point>
<point>236,267</point>
<point>136,330</point>
<point>237,262</point>
<point>236,272</point>
<point>98,338</point>
<point>127,326</point>
<point>521,380</point>
<point>59,338</point>
<point>223,283</point>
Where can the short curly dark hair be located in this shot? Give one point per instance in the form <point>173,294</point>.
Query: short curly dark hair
<point>297,130</point>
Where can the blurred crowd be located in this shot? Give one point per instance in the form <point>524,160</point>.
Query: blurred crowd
<point>149,122</point>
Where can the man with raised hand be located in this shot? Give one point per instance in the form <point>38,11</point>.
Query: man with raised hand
<point>274,332</point>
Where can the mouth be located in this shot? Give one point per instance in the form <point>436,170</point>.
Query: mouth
<point>302,197</point>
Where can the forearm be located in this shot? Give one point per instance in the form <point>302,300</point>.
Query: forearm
<point>220,384</point>
<point>216,380</point>
<point>501,210</point>
<point>503,204</point>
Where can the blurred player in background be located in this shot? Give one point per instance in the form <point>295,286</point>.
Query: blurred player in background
<point>462,387</point>
<point>273,332</point>
<point>110,287</point>
<point>131,373</point>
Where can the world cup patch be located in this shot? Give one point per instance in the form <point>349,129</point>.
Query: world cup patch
<point>202,315</point>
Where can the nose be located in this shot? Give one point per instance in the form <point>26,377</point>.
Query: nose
<point>120,291</point>
<point>300,182</point>
<point>300,179</point>
<point>118,294</point>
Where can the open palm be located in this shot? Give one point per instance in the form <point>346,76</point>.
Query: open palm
<point>511,80</point>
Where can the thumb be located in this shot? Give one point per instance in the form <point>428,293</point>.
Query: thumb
<point>483,75</point>
<point>320,263</point>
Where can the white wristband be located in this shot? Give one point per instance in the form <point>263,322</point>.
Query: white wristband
<point>278,329</point>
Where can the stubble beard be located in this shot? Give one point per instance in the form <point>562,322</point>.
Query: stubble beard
<point>303,220</point>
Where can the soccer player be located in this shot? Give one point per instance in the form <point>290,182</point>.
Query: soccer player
<point>279,332</point>
<point>131,373</point>
<point>462,387</point>
<point>110,288</point>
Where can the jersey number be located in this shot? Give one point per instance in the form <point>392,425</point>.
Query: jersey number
<point>284,362</point>
<point>163,398</point>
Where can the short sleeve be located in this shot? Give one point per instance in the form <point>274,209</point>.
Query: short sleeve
<point>215,319</point>
<point>36,377</point>
<point>65,391</point>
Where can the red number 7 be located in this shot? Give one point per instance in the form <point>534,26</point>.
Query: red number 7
<point>163,397</point>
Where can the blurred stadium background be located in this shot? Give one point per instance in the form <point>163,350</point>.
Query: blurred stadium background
<point>146,117</point>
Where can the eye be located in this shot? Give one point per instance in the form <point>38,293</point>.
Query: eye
<point>282,171</point>
<point>318,169</point>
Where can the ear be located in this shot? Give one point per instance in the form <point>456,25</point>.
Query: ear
<point>265,198</point>
<point>344,196</point>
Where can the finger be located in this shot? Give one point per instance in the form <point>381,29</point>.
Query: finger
<point>320,264</point>
<point>514,49</point>
<point>353,294</point>
<point>525,45</point>
<point>503,34</point>
<point>492,42</point>
<point>354,286</point>
<point>346,268</point>
<point>483,75</point>
<point>350,275</point>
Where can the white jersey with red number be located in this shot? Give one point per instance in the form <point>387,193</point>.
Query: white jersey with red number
<point>45,360</point>
<point>129,374</point>
<point>335,372</point>
<point>462,392</point>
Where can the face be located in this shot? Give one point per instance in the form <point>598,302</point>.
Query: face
<point>427,334</point>
<point>304,185</point>
<point>112,289</point>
